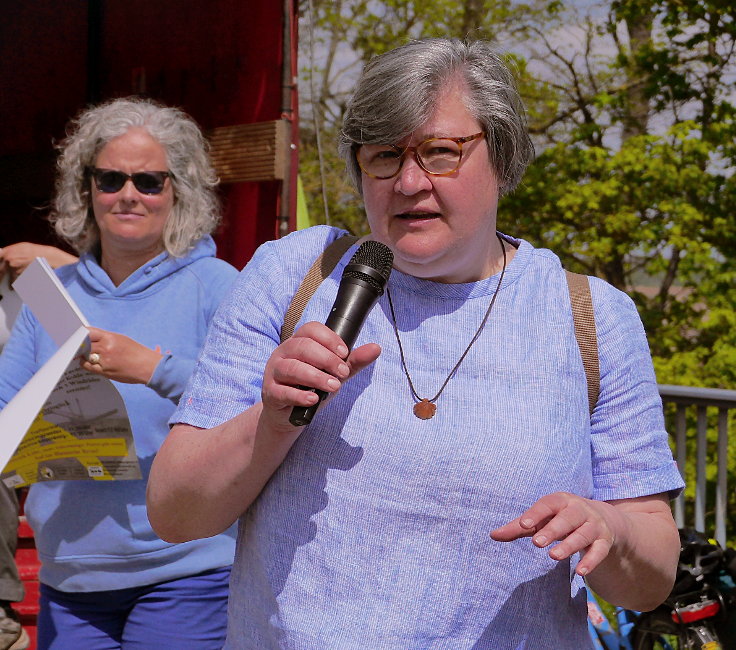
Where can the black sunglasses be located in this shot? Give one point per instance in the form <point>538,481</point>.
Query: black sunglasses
<point>112,180</point>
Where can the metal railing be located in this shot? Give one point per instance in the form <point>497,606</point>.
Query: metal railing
<point>686,399</point>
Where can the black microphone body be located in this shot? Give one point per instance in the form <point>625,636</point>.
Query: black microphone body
<point>362,284</point>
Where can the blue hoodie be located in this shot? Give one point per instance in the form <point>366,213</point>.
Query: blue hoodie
<point>95,535</point>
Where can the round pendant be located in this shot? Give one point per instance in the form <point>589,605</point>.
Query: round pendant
<point>424,409</point>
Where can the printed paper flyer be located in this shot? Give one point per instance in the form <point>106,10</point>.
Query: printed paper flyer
<point>66,423</point>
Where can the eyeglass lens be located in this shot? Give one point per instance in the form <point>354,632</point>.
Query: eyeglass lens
<point>437,156</point>
<point>111,180</point>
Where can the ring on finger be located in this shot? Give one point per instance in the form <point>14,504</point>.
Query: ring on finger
<point>94,358</point>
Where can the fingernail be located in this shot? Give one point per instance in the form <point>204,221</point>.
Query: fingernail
<point>343,370</point>
<point>333,383</point>
<point>541,540</point>
<point>342,351</point>
<point>527,523</point>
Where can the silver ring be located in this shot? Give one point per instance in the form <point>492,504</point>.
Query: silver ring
<point>94,358</point>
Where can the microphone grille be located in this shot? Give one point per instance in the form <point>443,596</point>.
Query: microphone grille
<point>376,255</point>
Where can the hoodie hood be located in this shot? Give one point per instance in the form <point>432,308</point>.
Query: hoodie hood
<point>143,279</point>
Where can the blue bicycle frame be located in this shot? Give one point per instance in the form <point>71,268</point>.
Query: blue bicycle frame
<point>602,633</point>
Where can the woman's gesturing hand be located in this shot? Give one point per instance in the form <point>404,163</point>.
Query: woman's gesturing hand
<point>315,357</point>
<point>119,357</point>
<point>578,524</point>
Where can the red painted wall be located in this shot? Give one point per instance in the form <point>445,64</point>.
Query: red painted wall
<point>220,60</point>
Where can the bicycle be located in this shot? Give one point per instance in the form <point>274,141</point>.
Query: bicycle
<point>697,615</point>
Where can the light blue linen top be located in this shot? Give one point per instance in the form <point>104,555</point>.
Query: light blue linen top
<point>374,532</point>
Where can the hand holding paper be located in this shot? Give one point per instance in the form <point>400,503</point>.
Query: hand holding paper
<point>65,422</point>
<point>120,357</point>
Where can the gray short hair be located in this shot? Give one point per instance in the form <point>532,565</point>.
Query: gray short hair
<point>196,210</point>
<point>399,90</point>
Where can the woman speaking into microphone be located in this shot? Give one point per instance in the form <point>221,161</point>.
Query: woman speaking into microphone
<point>455,488</point>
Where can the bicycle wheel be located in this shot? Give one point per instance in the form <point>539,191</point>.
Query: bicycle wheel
<point>655,631</point>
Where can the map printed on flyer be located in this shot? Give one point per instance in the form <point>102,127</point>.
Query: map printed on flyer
<point>82,432</point>
<point>65,423</point>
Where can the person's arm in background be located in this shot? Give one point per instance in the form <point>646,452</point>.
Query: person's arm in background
<point>16,257</point>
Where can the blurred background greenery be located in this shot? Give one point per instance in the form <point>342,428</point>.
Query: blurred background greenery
<point>631,106</point>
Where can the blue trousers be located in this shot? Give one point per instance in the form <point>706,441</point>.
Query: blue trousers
<point>185,614</point>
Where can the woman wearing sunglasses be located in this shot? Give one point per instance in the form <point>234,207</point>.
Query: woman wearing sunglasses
<point>136,198</point>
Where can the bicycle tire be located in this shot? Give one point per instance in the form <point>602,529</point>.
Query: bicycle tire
<point>651,630</point>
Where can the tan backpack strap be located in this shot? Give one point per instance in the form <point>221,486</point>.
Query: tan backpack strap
<point>321,268</point>
<point>584,320</point>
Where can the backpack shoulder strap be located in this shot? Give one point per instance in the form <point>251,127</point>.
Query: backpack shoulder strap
<point>320,269</point>
<point>585,333</point>
<point>580,300</point>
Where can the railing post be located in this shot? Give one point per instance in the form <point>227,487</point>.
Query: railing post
<point>700,468</point>
<point>681,458</point>
<point>721,493</point>
<point>684,397</point>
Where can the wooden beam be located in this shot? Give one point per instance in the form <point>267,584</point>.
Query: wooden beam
<point>250,152</point>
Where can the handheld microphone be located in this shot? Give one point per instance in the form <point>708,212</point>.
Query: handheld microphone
<point>362,284</point>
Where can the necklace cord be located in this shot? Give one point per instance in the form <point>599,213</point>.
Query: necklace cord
<point>467,349</point>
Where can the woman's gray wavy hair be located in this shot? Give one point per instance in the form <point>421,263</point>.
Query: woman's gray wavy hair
<point>400,89</point>
<point>196,210</point>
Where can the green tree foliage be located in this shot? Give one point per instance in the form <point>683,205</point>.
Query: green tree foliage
<point>633,180</point>
<point>632,110</point>
<point>632,107</point>
<point>631,104</point>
